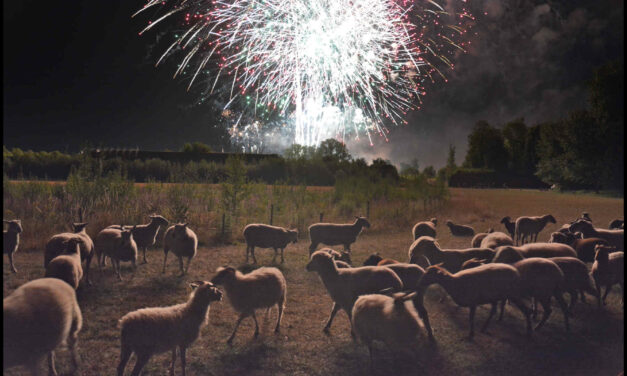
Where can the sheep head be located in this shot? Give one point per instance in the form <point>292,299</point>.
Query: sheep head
<point>581,226</point>
<point>78,227</point>
<point>449,223</point>
<point>320,260</point>
<point>15,225</point>
<point>434,221</point>
<point>585,216</point>
<point>550,218</point>
<point>206,291</point>
<point>293,235</point>
<point>362,221</point>
<point>506,219</point>
<point>154,218</point>
<point>225,274</point>
<point>180,230</point>
<point>373,259</point>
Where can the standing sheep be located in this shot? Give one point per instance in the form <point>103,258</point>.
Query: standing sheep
<point>336,234</point>
<point>608,269</point>
<point>496,239</point>
<point>118,245</point>
<point>37,317</point>
<point>531,227</point>
<point>155,330</point>
<point>345,285</point>
<point>615,238</point>
<point>266,236</point>
<point>451,259</point>
<point>145,235</point>
<point>426,228</point>
<point>509,225</point>
<point>57,244</point>
<point>543,250</point>
<point>67,267</point>
<point>261,288</point>
<point>585,248</point>
<point>460,230</point>
<point>11,239</point>
<point>389,319</point>
<point>182,241</point>
<point>576,278</point>
<point>476,240</point>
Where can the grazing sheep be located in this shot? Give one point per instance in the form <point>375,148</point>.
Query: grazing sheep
<point>155,330</point>
<point>145,235</point>
<point>585,248</point>
<point>485,284</point>
<point>336,234</point>
<point>37,317</point>
<point>460,230</point>
<point>617,224</point>
<point>118,245</point>
<point>11,239</point>
<point>261,288</point>
<point>57,244</point>
<point>496,239</point>
<point>509,225</point>
<point>451,259</point>
<point>576,278</point>
<point>426,228</point>
<point>67,267</point>
<point>531,227</point>
<point>391,320</point>
<point>266,236</point>
<point>608,269</point>
<point>476,240</point>
<point>182,241</point>
<point>615,238</point>
<point>541,279</point>
<point>345,285</point>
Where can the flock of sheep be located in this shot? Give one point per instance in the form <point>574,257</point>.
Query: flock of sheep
<point>384,298</point>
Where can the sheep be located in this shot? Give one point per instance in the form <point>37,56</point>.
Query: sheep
<point>155,330</point>
<point>67,267</point>
<point>608,269</point>
<point>543,250</point>
<point>540,279</point>
<point>615,238</point>
<point>118,245</point>
<point>145,235</point>
<point>531,226</point>
<point>617,224</point>
<point>576,278</point>
<point>342,260</point>
<point>566,237</point>
<point>585,248</point>
<point>452,259</point>
<point>57,244</point>
<point>266,236</point>
<point>261,288</point>
<point>460,230</point>
<point>476,240</point>
<point>11,239</point>
<point>409,274</point>
<point>495,240</point>
<point>182,241</point>
<point>336,234</point>
<point>509,225</point>
<point>585,216</point>
<point>485,284</point>
<point>37,317</point>
<point>391,320</point>
<point>345,285</point>
<point>426,228</point>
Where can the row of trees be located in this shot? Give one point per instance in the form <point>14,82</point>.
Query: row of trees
<point>582,151</point>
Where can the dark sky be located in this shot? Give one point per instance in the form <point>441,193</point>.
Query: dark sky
<point>77,72</point>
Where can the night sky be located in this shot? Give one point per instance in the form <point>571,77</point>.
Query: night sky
<point>79,72</point>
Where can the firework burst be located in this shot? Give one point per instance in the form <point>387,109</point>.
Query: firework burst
<point>329,68</point>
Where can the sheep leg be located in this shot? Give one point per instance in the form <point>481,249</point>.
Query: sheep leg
<point>145,261</point>
<point>546,305</point>
<point>173,361</point>
<point>11,263</point>
<point>241,317</point>
<point>573,299</point>
<point>502,306</point>
<point>181,264</point>
<point>370,353</point>
<point>51,368</point>
<point>72,340</point>
<point>142,359</point>
<point>87,265</point>
<point>521,306</point>
<point>183,349</point>
<point>125,355</point>
<point>247,251</point>
<point>118,268</point>
<point>189,259</point>
<point>492,312</point>
<point>607,291</point>
<point>564,307</point>
<point>282,259</point>
<point>256,326</point>
<point>334,311</point>
<point>276,251</point>
<point>165,259</point>
<point>472,321</point>
<point>278,320</point>
<point>422,312</point>
<point>252,253</point>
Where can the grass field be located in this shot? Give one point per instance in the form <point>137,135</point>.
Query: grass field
<point>594,346</point>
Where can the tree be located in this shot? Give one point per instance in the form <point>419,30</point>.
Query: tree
<point>333,150</point>
<point>486,148</point>
<point>196,148</point>
<point>450,161</point>
<point>383,169</point>
<point>411,168</point>
<point>429,172</point>
<point>515,134</point>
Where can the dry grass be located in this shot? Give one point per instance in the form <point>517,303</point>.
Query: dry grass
<point>593,347</point>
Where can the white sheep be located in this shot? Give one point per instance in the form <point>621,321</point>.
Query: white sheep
<point>155,330</point>
<point>608,269</point>
<point>336,234</point>
<point>182,241</point>
<point>345,285</point>
<point>118,245</point>
<point>262,288</point>
<point>615,238</point>
<point>67,267</point>
<point>425,228</point>
<point>145,235</point>
<point>38,317</point>
<point>57,244</point>
<point>266,236</point>
<point>11,239</point>
<point>392,320</point>
<point>452,259</point>
<point>496,239</point>
<point>531,226</point>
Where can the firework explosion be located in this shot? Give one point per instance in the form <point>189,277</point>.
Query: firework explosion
<point>327,68</point>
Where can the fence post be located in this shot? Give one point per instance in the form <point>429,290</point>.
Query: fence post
<point>271,213</point>
<point>321,216</point>
<point>368,209</point>
<point>223,223</point>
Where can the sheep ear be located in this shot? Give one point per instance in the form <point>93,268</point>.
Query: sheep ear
<point>196,284</point>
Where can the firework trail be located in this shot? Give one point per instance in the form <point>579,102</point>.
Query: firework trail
<point>329,68</point>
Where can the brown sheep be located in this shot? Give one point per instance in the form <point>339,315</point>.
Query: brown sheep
<point>608,269</point>
<point>336,234</point>
<point>615,238</point>
<point>531,227</point>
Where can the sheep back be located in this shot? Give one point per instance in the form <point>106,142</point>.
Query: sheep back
<point>57,244</point>
<point>266,236</point>
<point>496,239</point>
<point>263,287</point>
<point>409,274</point>
<point>66,268</point>
<point>109,242</point>
<point>539,277</point>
